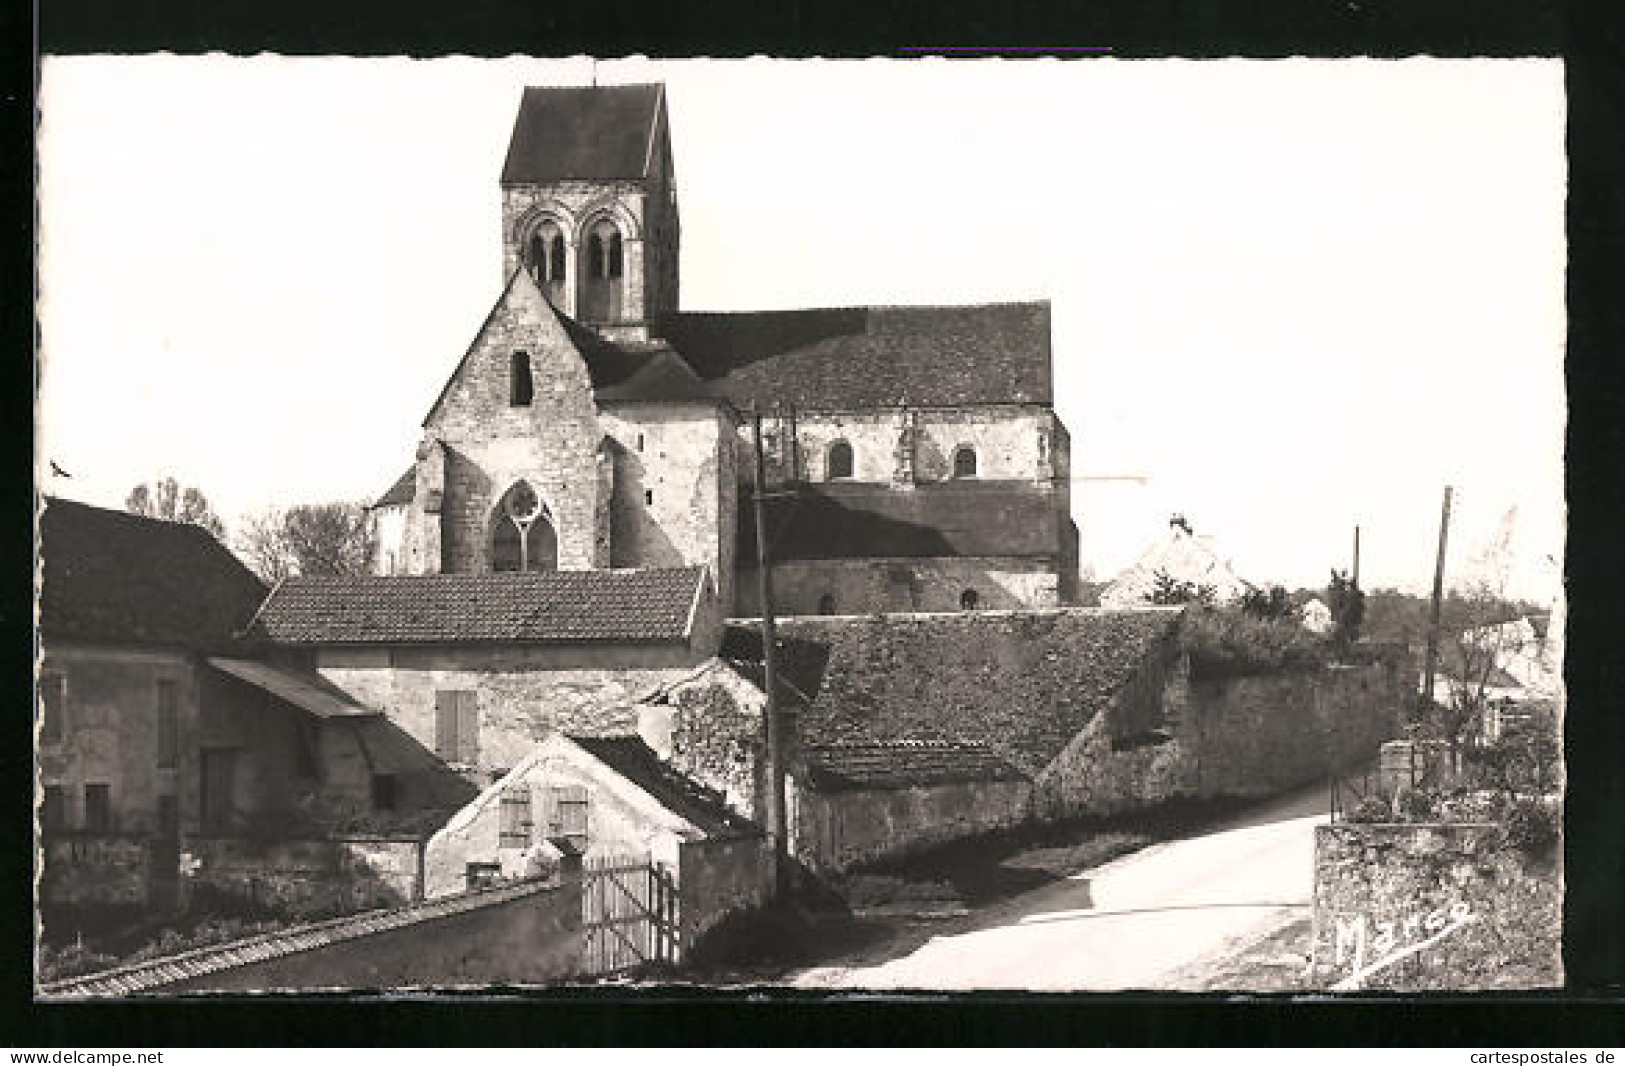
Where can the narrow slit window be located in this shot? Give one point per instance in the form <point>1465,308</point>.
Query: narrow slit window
<point>595,256</point>
<point>521,389</point>
<point>613,266</point>
<point>535,252</point>
<point>555,259</point>
<point>649,496</point>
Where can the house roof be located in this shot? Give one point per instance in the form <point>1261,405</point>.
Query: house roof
<point>634,760</point>
<point>404,490</point>
<point>1181,555</point>
<point>859,357</point>
<point>558,607</point>
<point>951,518</point>
<point>586,133</point>
<point>117,578</point>
<point>902,764</point>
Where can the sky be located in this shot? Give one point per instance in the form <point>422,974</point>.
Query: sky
<point>1288,297</point>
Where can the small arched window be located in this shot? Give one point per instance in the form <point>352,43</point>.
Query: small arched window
<point>840,460</point>
<point>536,257</point>
<point>826,603</point>
<point>521,390</point>
<point>555,259</point>
<point>595,256</point>
<point>544,254</point>
<point>968,600</point>
<point>612,269</point>
<point>965,462</point>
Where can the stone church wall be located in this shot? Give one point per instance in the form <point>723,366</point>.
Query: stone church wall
<point>869,586</point>
<point>490,444</point>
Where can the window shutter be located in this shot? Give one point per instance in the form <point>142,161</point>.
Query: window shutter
<point>468,727</point>
<point>445,725</point>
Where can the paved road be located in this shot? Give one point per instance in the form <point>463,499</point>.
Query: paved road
<point>1146,920</point>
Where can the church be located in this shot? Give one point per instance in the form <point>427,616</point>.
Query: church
<point>914,456</point>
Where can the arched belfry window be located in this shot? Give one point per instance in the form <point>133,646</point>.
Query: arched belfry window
<point>522,534</point>
<point>603,263</point>
<point>520,387</point>
<point>965,461</point>
<point>839,461</point>
<point>544,254</point>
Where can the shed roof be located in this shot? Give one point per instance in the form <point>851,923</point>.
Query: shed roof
<point>310,692</point>
<point>113,577</point>
<point>559,607</point>
<point>585,133</point>
<point>703,807</point>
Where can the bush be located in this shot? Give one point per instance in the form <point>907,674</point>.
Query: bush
<point>1371,809</point>
<point>1230,643</point>
<point>1416,805</point>
<point>1532,826</point>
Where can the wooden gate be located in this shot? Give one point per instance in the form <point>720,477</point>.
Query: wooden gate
<point>628,914</point>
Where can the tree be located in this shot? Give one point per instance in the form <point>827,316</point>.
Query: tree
<point>320,539</point>
<point>1481,629</point>
<point>1171,592</point>
<point>1274,605</point>
<point>1347,604</point>
<point>166,499</point>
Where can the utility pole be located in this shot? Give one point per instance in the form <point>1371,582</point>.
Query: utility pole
<point>773,774</point>
<point>1438,598</point>
<point>1356,556</point>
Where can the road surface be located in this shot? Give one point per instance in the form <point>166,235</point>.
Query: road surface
<point>1144,921</point>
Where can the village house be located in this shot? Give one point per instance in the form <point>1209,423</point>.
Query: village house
<point>593,425</point>
<point>161,742</point>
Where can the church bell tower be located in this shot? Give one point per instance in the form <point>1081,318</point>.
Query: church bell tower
<point>589,205</point>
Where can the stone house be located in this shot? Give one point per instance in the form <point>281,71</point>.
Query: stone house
<point>480,668</point>
<point>592,424</point>
<point>1184,556</point>
<point>155,730</point>
<point>584,797</point>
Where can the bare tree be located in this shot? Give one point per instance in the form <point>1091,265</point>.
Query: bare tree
<point>166,499</point>
<point>331,539</point>
<point>1484,629</point>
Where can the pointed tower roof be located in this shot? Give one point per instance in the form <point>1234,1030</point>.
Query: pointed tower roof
<point>596,133</point>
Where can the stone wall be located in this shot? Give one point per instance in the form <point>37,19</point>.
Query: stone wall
<point>96,871</point>
<point>836,830</point>
<point>1241,737</point>
<point>709,727</point>
<point>1453,906</point>
<point>533,938</point>
<point>304,877</point>
<point>868,586</point>
<point>522,693</point>
<point>717,878</point>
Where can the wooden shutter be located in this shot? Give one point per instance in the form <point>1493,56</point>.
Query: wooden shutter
<point>513,830</point>
<point>445,725</point>
<point>468,728</point>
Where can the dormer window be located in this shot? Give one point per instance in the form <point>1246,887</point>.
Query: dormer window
<point>521,390</point>
<point>965,462</point>
<point>839,461</point>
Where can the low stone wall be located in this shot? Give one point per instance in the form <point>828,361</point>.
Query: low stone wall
<point>97,871</point>
<point>717,878</point>
<point>1434,907</point>
<point>305,877</point>
<point>837,830</point>
<point>1232,738</point>
<point>528,933</point>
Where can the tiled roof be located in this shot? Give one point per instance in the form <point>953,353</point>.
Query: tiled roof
<point>902,764</point>
<point>112,577</point>
<point>634,760</point>
<point>404,490</point>
<point>559,607</point>
<point>844,358</point>
<point>586,133</point>
<point>157,974</point>
<point>952,518</point>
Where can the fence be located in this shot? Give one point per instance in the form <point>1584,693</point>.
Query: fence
<point>629,914</point>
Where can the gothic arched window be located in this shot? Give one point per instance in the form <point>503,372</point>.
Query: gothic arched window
<point>601,266</point>
<point>520,388</point>
<point>522,534</point>
<point>965,462</point>
<point>544,254</point>
<point>839,461</point>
